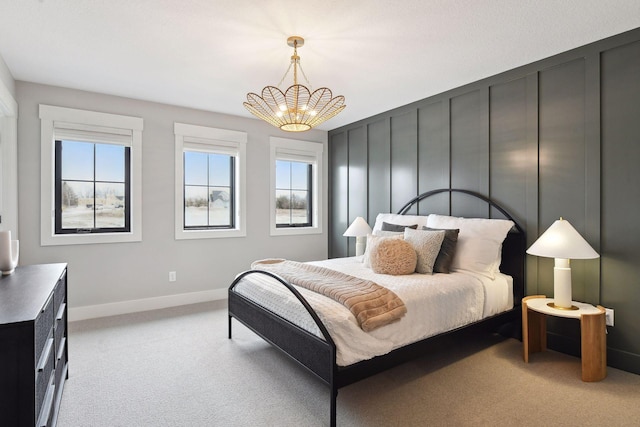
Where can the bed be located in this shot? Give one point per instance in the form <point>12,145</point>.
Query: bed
<point>311,330</point>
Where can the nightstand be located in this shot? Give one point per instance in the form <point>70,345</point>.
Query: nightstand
<point>592,332</point>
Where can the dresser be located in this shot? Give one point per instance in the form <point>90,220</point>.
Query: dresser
<point>33,344</point>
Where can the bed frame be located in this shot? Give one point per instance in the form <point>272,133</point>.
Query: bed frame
<point>319,355</point>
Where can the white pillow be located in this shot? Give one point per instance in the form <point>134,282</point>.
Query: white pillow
<point>399,219</point>
<point>479,246</point>
<point>427,245</point>
<point>373,241</point>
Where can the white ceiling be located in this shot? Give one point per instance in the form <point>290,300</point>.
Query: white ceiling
<point>208,54</point>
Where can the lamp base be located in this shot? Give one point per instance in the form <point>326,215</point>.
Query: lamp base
<point>557,307</point>
<point>361,243</point>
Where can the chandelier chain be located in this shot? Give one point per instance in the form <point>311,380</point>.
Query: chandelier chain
<point>286,73</point>
<point>296,60</point>
<point>305,76</point>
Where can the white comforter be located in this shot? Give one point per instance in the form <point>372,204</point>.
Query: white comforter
<point>435,303</point>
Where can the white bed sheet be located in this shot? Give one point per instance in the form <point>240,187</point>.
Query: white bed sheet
<point>435,303</point>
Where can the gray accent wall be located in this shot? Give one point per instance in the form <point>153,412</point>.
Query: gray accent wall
<point>559,137</point>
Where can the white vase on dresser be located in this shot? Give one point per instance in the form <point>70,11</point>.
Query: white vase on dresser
<point>9,252</point>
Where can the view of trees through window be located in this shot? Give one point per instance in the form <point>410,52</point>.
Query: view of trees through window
<point>208,190</point>
<point>91,184</point>
<point>293,193</point>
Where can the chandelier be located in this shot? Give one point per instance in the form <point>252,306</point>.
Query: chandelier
<point>297,109</point>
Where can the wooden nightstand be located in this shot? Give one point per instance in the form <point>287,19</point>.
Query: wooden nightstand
<point>592,332</point>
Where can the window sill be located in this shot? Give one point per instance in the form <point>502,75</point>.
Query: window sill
<point>88,239</point>
<point>295,231</point>
<point>209,234</point>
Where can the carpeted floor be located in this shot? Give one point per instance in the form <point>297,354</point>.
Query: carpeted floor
<point>176,367</point>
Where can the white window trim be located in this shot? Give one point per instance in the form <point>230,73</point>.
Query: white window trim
<point>211,139</point>
<point>309,151</point>
<point>52,117</point>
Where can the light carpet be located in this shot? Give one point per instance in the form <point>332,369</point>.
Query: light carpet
<point>176,367</point>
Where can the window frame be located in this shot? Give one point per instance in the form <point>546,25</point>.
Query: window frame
<point>61,123</point>
<point>309,173</point>
<point>58,182</point>
<point>232,191</point>
<point>301,151</point>
<point>217,141</point>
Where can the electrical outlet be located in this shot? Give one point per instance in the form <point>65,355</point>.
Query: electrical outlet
<point>172,276</point>
<point>608,316</point>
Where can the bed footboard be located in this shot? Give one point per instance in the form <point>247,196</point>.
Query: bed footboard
<point>315,354</point>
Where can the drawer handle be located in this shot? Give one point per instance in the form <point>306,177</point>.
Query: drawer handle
<point>46,304</point>
<point>45,355</point>
<point>60,314</point>
<point>48,404</point>
<point>63,344</point>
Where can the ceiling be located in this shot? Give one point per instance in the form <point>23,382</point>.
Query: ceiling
<point>209,54</point>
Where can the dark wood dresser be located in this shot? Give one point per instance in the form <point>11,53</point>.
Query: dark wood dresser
<point>33,344</point>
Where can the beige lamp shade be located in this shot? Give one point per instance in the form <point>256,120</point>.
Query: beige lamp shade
<point>358,228</point>
<point>561,240</point>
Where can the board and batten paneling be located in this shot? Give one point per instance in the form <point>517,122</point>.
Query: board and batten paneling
<point>509,158</point>
<point>379,170</point>
<point>469,153</point>
<point>558,137</point>
<point>338,193</point>
<point>404,161</point>
<point>433,156</point>
<point>620,244</point>
<point>357,201</point>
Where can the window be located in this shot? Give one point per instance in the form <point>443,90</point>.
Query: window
<point>91,177</point>
<point>294,181</point>
<point>91,187</point>
<point>208,190</point>
<point>296,170</point>
<point>210,176</point>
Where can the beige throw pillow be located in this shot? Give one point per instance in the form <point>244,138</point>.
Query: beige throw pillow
<point>393,256</point>
<point>373,240</point>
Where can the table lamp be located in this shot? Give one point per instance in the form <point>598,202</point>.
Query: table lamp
<point>562,242</point>
<point>359,229</point>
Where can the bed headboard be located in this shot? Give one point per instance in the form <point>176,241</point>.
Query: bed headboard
<point>513,248</point>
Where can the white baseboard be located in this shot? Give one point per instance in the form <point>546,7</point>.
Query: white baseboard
<point>133,306</point>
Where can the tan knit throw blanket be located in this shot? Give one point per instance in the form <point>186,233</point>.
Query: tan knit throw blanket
<point>372,305</point>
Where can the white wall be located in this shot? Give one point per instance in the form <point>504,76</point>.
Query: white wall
<point>8,151</point>
<point>6,79</point>
<point>105,278</point>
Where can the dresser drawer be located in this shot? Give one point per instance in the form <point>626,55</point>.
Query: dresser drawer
<point>59,294</point>
<point>45,417</point>
<point>60,328</point>
<point>43,328</point>
<point>44,369</point>
<point>61,366</point>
